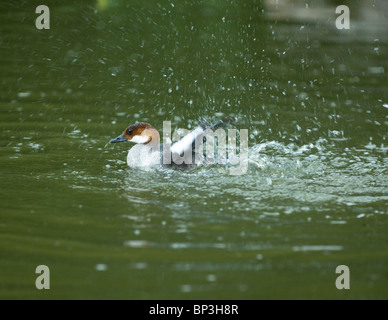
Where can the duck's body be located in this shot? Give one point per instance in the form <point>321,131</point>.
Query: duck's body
<point>148,152</point>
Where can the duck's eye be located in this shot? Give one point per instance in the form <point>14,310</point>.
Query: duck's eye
<point>129,132</point>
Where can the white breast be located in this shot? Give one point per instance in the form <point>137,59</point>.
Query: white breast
<point>142,155</point>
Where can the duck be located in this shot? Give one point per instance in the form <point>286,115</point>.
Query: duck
<point>148,152</point>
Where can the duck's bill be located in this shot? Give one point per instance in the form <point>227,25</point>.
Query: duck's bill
<point>118,139</point>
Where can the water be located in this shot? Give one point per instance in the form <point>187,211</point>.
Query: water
<point>315,194</point>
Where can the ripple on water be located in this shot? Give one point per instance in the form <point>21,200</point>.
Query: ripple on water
<point>278,174</point>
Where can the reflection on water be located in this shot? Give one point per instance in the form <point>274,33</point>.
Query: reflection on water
<point>315,194</point>
<point>369,14</point>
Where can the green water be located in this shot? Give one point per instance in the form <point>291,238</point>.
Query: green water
<point>314,99</point>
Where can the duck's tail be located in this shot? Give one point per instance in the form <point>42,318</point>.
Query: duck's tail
<point>219,123</point>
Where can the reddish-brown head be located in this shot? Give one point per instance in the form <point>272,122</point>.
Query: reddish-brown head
<point>141,132</point>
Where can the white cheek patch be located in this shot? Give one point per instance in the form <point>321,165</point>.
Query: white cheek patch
<point>140,139</point>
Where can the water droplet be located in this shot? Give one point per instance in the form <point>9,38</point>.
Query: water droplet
<point>211,278</point>
<point>101,267</point>
<point>24,94</point>
<point>186,288</point>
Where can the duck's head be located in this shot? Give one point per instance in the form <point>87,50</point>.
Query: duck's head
<point>141,132</point>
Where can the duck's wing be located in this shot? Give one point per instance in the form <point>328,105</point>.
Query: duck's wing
<point>188,141</point>
<point>198,133</point>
